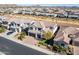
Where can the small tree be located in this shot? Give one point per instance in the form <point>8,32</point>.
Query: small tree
<point>48,34</point>
<point>22,35</point>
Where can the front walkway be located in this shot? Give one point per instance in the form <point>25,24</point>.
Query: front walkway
<point>30,40</point>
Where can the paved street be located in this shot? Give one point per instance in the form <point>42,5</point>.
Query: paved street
<point>11,48</point>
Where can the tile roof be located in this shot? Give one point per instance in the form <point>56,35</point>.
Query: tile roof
<point>37,24</point>
<point>70,30</point>
<point>43,24</point>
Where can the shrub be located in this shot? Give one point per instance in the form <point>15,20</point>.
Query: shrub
<point>69,51</point>
<point>48,35</point>
<point>42,42</point>
<point>62,49</point>
<point>55,47</point>
<point>2,29</point>
<point>20,38</point>
<point>22,35</point>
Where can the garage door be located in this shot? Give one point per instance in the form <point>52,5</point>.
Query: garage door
<point>32,34</point>
<point>38,36</point>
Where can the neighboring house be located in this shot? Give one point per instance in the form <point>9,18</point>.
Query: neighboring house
<point>74,41</point>
<point>14,27</point>
<point>27,12</point>
<point>74,16</point>
<point>70,31</point>
<point>17,11</point>
<point>41,13</point>
<point>44,14</point>
<point>60,14</point>
<point>17,26</point>
<point>65,40</point>
<point>3,22</point>
<point>37,28</point>
<point>1,19</point>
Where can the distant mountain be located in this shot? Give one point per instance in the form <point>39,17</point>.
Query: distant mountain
<point>51,5</point>
<point>42,5</point>
<point>8,5</point>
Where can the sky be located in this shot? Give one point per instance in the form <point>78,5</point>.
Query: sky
<point>39,1</point>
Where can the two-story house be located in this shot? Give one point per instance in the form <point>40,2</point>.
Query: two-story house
<point>37,28</point>
<point>18,26</point>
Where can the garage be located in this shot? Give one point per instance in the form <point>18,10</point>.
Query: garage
<point>31,34</point>
<point>39,36</point>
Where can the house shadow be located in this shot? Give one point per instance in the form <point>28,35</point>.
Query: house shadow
<point>61,43</point>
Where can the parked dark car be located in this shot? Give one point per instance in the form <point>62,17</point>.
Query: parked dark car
<point>9,33</point>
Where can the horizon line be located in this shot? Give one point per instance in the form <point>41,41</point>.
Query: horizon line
<point>47,5</point>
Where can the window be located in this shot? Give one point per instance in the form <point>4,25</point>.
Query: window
<point>18,24</point>
<point>62,44</point>
<point>31,34</point>
<point>38,36</point>
<point>31,28</point>
<point>0,19</point>
<point>51,27</point>
<point>5,22</point>
<point>28,23</point>
<point>35,28</point>
<point>39,29</point>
